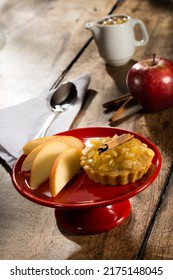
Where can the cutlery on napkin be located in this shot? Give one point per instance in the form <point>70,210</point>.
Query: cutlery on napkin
<point>21,122</point>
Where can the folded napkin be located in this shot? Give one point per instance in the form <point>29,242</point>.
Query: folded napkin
<point>22,122</point>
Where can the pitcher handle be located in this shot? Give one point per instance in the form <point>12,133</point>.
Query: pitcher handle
<point>143,29</point>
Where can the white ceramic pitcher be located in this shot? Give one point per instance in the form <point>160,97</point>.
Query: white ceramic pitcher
<point>114,36</point>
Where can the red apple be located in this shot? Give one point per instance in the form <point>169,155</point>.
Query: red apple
<point>151,83</point>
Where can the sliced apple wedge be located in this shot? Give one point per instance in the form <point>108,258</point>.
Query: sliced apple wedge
<point>64,168</point>
<point>43,162</point>
<point>30,145</point>
<point>28,161</point>
<point>70,140</point>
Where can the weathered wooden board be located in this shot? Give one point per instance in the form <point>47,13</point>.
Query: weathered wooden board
<point>40,39</point>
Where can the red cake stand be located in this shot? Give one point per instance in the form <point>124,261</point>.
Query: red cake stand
<point>84,206</point>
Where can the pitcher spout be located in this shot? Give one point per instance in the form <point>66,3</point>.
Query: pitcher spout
<point>94,28</point>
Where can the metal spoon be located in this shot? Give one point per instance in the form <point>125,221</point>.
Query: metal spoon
<point>62,99</point>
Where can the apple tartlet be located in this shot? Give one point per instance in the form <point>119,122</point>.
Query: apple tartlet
<point>120,165</point>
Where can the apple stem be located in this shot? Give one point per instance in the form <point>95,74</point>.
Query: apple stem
<point>154,59</point>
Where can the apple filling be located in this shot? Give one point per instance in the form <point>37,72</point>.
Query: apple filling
<point>123,164</point>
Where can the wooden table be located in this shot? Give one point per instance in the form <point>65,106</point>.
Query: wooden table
<point>42,41</point>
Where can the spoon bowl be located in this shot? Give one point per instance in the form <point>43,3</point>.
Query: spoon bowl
<point>62,99</point>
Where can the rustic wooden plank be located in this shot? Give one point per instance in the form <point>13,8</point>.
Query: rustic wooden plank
<point>159,125</point>
<point>160,243</point>
<point>38,41</point>
<point>33,226</point>
<point>124,242</point>
<point>159,26</point>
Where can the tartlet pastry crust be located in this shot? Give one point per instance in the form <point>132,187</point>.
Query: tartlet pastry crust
<point>118,166</point>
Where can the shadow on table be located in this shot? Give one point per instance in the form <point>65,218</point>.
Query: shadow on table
<point>104,245</point>
<point>89,96</point>
<point>162,3</point>
<point>160,127</point>
<point>119,74</point>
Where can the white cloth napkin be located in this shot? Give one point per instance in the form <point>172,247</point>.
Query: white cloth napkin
<point>21,122</point>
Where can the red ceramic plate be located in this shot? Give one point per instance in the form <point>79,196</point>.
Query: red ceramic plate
<point>82,193</point>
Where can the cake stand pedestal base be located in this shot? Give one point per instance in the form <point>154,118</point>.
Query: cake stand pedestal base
<point>93,220</point>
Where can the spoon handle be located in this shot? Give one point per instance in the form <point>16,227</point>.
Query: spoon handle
<point>46,125</point>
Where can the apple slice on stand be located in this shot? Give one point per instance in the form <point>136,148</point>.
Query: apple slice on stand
<point>150,82</point>
<point>35,148</point>
<point>43,162</point>
<point>28,161</point>
<point>30,145</point>
<point>64,168</point>
<point>70,140</point>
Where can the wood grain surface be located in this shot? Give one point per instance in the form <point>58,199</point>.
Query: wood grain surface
<point>41,41</point>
